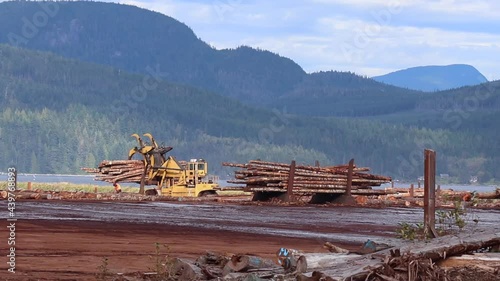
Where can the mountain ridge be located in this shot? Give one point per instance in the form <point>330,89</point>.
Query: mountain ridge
<point>434,77</point>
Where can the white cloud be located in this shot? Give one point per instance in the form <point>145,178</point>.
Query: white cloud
<point>369,37</point>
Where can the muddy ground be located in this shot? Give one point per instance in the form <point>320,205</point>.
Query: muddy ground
<point>60,240</point>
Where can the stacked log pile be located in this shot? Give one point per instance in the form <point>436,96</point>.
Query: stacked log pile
<point>118,171</point>
<point>270,176</point>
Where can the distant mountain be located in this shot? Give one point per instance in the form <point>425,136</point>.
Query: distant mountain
<point>434,78</point>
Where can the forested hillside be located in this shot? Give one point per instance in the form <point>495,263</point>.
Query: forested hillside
<point>57,115</point>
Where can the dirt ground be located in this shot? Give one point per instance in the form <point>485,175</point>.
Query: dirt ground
<point>55,250</point>
<point>67,240</point>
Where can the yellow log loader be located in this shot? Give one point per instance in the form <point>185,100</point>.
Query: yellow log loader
<point>172,177</point>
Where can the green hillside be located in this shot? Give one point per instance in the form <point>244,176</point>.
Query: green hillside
<point>57,115</point>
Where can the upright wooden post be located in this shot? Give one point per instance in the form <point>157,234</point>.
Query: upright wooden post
<point>412,191</point>
<point>291,179</point>
<point>349,177</point>
<point>29,185</point>
<point>316,163</point>
<point>430,192</point>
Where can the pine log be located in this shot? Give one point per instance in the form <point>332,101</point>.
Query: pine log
<point>490,260</point>
<point>327,260</point>
<point>184,270</point>
<point>244,263</point>
<point>334,248</point>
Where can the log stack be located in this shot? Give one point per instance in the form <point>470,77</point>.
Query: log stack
<point>275,177</point>
<point>118,171</point>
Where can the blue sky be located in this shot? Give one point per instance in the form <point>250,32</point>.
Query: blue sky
<point>369,37</point>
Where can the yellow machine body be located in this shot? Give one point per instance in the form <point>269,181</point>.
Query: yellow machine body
<point>171,177</point>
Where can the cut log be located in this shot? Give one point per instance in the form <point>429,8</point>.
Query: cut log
<point>327,260</point>
<point>184,270</point>
<point>244,263</point>
<point>335,249</point>
<point>490,260</point>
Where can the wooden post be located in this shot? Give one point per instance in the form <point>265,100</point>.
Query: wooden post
<point>291,178</point>
<point>412,191</point>
<point>392,184</point>
<point>316,163</point>
<point>29,185</point>
<point>430,192</point>
<point>95,189</point>
<point>418,183</point>
<point>349,177</point>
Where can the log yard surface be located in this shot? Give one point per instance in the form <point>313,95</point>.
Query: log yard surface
<point>68,240</point>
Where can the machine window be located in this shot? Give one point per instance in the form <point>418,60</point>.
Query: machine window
<point>201,166</point>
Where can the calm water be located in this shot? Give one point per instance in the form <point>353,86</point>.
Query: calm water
<point>36,178</point>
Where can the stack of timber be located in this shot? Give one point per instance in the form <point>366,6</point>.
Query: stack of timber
<point>118,171</point>
<point>275,177</point>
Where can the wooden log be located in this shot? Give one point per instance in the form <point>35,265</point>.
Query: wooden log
<point>335,249</point>
<point>482,260</point>
<point>248,173</point>
<point>184,270</point>
<point>327,260</point>
<point>35,196</point>
<point>26,195</point>
<point>489,195</point>
<point>121,162</point>
<point>256,163</point>
<point>244,263</point>
<point>46,196</point>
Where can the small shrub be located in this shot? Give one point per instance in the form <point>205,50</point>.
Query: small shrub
<point>409,231</point>
<point>103,271</point>
<point>162,263</point>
